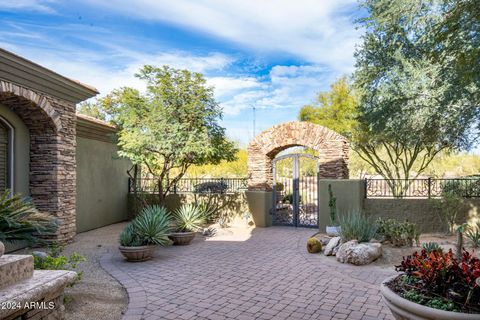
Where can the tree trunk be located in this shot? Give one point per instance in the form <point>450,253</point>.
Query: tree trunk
<point>458,252</point>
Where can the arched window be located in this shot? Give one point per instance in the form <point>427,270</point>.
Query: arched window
<point>6,143</point>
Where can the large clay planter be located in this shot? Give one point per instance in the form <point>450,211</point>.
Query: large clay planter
<point>403,309</point>
<point>137,254</point>
<point>181,238</point>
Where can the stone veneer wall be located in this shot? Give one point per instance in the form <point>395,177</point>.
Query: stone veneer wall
<point>51,123</point>
<point>332,151</point>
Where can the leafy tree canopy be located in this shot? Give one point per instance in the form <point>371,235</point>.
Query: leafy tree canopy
<point>171,126</point>
<point>418,95</point>
<point>91,109</point>
<point>335,109</point>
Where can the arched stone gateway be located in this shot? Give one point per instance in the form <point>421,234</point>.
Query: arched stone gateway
<point>331,147</point>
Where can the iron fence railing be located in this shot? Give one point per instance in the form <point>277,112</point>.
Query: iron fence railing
<point>422,188</point>
<point>192,185</point>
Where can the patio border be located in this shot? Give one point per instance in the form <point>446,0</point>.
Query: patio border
<point>137,299</point>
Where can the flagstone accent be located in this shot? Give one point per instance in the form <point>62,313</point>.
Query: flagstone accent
<point>331,147</point>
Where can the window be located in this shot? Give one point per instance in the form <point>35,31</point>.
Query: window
<point>6,137</point>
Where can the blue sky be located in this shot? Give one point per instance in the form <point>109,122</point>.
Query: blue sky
<point>275,55</point>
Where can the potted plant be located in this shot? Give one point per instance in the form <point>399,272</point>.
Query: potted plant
<point>334,228</point>
<point>435,285</point>
<point>149,229</point>
<point>279,187</point>
<point>188,219</point>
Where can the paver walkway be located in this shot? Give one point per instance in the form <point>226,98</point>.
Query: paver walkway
<point>268,276</point>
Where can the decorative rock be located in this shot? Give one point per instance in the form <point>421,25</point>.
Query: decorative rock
<point>314,245</point>
<point>335,250</point>
<point>359,253</point>
<point>2,249</point>
<point>332,244</point>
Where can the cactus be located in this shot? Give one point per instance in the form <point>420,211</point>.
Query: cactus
<point>314,245</point>
<point>332,203</point>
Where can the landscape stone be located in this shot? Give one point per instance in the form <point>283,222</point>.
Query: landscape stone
<point>332,244</point>
<point>359,253</point>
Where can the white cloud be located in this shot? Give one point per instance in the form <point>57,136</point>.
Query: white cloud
<point>31,5</point>
<point>317,31</point>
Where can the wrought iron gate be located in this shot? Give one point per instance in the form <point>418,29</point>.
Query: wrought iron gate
<point>295,196</point>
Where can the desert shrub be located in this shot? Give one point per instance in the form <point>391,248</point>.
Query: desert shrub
<point>211,187</point>
<point>432,246</point>
<point>398,233</point>
<point>473,235</point>
<point>449,206</point>
<point>467,187</point>
<point>314,245</point>
<point>357,226</point>
<point>151,227</point>
<point>289,198</point>
<point>279,187</point>
<point>54,259</point>
<point>438,280</point>
<point>20,221</point>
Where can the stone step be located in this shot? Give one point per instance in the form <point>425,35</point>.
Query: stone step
<point>15,268</point>
<point>39,297</point>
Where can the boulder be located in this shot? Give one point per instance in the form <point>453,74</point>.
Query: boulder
<point>332,244</point>
<point>358,253</point>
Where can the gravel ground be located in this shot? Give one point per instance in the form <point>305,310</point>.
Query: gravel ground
<point>97,295</point>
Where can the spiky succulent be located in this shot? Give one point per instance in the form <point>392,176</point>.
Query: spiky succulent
<point>21,221</point>
<point>151,227</point>
<point>189,218</point>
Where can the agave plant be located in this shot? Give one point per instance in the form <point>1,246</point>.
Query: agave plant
<point>129,238</point>
<point>152,226</point>
<point>473,234</point>
<point>189,218</point>
<point>432,246</point>
<point>20,221</point>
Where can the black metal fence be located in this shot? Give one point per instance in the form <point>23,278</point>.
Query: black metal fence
<point>422,188</point>
<point>192,185</point>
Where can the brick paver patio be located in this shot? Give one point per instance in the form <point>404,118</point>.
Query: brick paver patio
<point>268,276</point>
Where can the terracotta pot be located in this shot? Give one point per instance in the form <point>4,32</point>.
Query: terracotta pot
<point>403,309</point>
<point>2,249</point>
<point>136,254</point>
<point>181,238</point>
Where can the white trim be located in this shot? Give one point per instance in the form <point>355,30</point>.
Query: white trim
<point>10,155</point>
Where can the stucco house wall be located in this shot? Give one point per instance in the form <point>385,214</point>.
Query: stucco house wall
<point>102,180</point>
<point>40,105</point>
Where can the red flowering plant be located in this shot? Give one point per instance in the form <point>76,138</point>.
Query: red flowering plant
<point>438,280</point>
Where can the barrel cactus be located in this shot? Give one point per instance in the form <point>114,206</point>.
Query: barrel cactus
<point>314,245</point>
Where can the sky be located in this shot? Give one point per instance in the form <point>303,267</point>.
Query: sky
<point>274,55</point>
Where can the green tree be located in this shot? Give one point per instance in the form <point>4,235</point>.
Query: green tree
<point>91,109</point>
<point>412,102</point>
<point>170,127</point>
<point>335,109</point>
